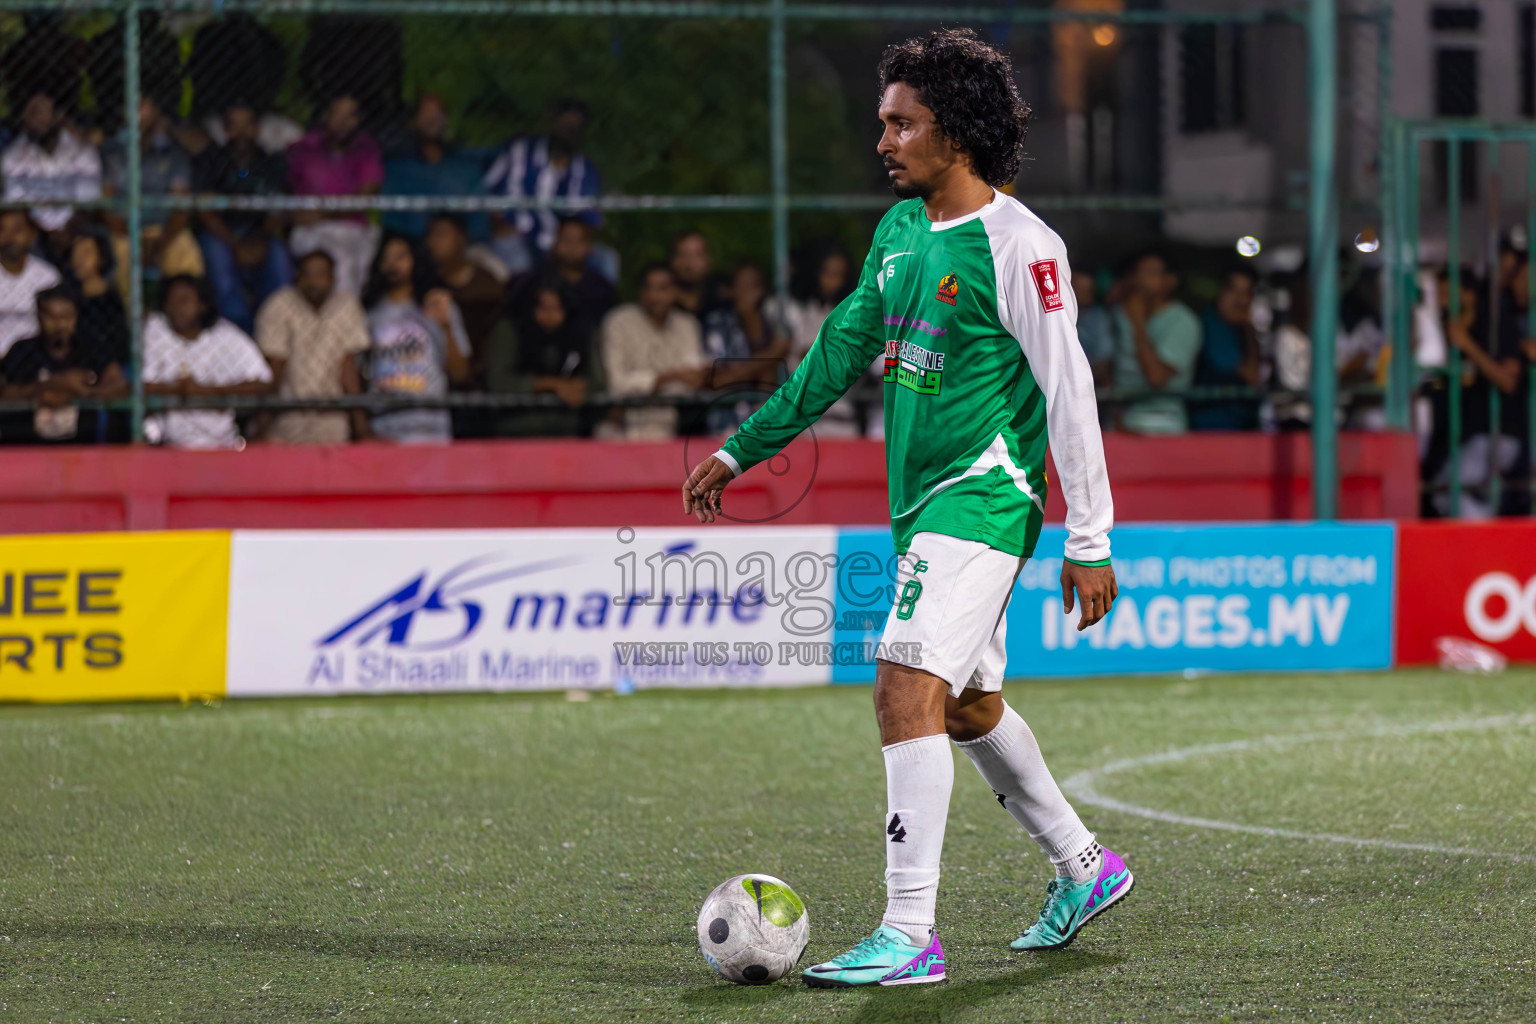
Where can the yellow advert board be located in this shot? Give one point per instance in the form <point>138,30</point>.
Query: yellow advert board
<point>119,616</point>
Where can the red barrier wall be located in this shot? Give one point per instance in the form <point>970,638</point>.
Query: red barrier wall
<point>590,483</point>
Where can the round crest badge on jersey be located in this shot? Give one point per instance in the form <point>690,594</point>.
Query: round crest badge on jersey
<point>949,287</point>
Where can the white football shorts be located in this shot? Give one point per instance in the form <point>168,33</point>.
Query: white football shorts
<point>948,619</point>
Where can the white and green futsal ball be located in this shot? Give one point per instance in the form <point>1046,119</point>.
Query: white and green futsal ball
<point>753,928</point>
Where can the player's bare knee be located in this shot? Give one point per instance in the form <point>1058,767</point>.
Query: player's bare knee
<point>972,716</point>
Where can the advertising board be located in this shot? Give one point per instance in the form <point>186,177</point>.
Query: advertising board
<point>1472,581</point>
<point>1199,596</point>
<point>113,616</point>
<point>420,610</point>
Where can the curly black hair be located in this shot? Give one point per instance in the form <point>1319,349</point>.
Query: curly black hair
<point>970,89</point>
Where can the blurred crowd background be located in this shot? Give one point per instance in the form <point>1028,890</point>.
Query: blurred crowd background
<point>1170,156</point>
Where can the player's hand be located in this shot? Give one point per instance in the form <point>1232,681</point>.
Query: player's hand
<point>1096,589</point>
<point>704,489</point>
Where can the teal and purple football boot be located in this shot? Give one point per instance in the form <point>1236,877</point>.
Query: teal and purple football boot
<point>887,957</point>
<point>1069,905</point>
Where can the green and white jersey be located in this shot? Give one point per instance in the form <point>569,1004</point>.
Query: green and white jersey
<point>977,321</point>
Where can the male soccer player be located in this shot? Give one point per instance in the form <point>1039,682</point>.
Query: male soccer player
<point>968,295</point>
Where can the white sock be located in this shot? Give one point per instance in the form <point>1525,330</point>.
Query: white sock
<point>918,777</point>
<point>1008,758</point>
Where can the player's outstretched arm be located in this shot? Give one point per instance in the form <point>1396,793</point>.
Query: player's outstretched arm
<point>850,339</point>
<point>704,489</point>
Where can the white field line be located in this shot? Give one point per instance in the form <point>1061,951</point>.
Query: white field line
<point>1082,785</point>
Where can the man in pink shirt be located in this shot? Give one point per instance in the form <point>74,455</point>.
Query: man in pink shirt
<point>337,158</point>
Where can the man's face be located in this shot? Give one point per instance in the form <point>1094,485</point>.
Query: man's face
<point>40,117</point>
<point>833,275</point>
<point>184,309</point>
<point>1234,303</point>
<point>241,126</point>
<point>915,152</point>
<point>149,116</point>
<point>548,311</point>
<point>748,289</point>
<point>56,321</point>
<point>573,245</point>
<point>658,294</point>
<point>431,119</point>
<point>690,260</point>
<point>15,235</point>
<point>1150,278</point>
<point>569,128</point>
<point>315,281</point>
<point>445,243</point>
<point>342,119</point>
<point>397,264</point>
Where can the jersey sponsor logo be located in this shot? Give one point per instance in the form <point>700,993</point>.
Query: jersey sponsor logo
<point>913,367</point>
<point>888,269</point>
<point>949,287</point>
<point>1048,284</point>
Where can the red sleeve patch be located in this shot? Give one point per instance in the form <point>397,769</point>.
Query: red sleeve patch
<point>1048,284</point>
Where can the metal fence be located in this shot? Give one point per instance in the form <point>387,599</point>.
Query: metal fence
<point>752,120</point>
<point>1466,377</point>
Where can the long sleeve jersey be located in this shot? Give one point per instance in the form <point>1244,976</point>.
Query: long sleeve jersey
<point>977,322</point>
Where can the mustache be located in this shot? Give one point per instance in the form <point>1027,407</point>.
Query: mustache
<point>892,165</point>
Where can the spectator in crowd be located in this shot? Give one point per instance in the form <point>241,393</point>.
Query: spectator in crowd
<point>54,368</point>
<point>311,335</point>
<point>542,167</point>
<point>479,296</point>
<point>743,332</point>
<point>1157,340</point>
<point>103,320</point>
<point>429,163</point>
<point>247,260</point>
<point>1488,364</point>
<point>700,290</point>
<point>545,349</point>
<point>48,161</point>
<point>336,159</point>
<point>1229,355</point>
<point>822,278</point>
<point>1095,327</point>
<point>651,347</point>
<point>165,169</point>
<point>190,351</point>
<point>160,70</point>
<point>44,59</point>
<point>745,347</point>
<point>587,294</point>
<point>22,276</point>
<point>235,59</point>
<point>418,344</point>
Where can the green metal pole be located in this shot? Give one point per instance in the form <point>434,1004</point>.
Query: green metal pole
<point>1495,477</point>
<point>1530,316</point>
<point>1453,354</point>
<point>779,150</point>
<point>1391,273</point>
<point>135,199</point>
<point>1323,216</point>
<point>1410,200</point>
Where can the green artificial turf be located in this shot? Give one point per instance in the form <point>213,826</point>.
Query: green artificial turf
<point>529,858</point>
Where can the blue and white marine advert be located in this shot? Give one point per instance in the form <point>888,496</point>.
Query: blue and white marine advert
<point>422,611</point>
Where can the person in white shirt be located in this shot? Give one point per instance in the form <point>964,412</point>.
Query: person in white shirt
<point>48,161</point>
<point>22,276</point>
<point>189,350</point>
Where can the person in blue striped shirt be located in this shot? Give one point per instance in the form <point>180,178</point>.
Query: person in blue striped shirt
<point>541,167</point>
